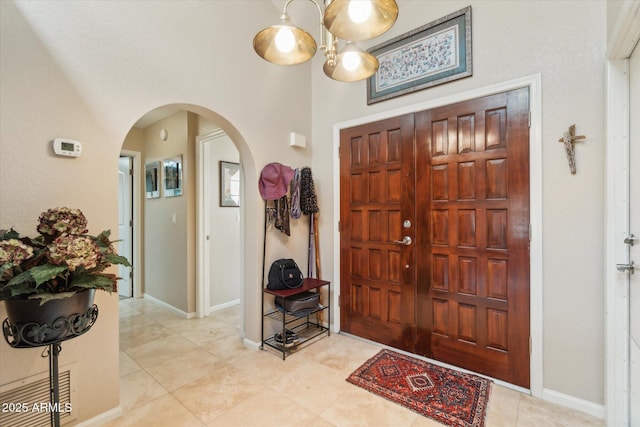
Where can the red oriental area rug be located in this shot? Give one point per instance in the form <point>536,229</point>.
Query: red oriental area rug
<point>447,396</point>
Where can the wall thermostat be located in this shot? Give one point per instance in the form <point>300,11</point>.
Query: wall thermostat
<point>67,147</point>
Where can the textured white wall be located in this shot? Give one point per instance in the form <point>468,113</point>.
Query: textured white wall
<point>165,242</point>
<point>38,103</point>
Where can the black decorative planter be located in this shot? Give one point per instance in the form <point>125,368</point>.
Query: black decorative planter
<point>30,324</point>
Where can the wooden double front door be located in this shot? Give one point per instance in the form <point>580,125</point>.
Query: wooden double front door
<point>434,234</point>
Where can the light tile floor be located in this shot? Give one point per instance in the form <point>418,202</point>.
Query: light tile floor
<point>196,372</point>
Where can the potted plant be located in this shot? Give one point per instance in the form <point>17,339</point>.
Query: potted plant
<point>56,273</point>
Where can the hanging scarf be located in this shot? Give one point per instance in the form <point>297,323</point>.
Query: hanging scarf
<point>308,198</point>
<point>282,215</point>
<point>295,195</point>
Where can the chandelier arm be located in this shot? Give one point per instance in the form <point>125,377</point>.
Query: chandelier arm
<point>323,46</point>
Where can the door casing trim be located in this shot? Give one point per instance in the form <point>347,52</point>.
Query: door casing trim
<point>621,43</point>
<point>136,164</point>
<point>616,225</point>
<point>534,83</point>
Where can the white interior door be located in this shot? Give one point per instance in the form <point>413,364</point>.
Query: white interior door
<point>223,226</point>
<point>125,225</point>
<point>634,228</point>
<point>218,266</point>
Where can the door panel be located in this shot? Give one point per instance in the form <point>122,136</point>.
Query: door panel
<point>376,188</point>
<point>473,235</point>
<point>455,180</point>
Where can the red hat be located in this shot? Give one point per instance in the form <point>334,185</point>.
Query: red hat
<point>274,181</point>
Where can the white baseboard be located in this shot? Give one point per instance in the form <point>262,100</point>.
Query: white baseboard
<point>102,418</point>
<point>574,403</point>
<point>251,344</point>
<point>169,307</point>
<point>224,305</point>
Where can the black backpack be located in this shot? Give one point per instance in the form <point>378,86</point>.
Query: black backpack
<point>284,274</point>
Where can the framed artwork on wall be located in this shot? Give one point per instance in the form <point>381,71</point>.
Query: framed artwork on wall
<point>229,184</point>
<point>433,54</point>
<point>172,171</point>
<point>152,180</point>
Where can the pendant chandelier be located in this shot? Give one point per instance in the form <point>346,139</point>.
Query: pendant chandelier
<point>342,20</point>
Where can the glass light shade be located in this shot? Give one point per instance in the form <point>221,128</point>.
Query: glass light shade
<point>285,41</point>
<point>359,11</point>
<point>349,19</point>
<point>284,44</point>
<point>352,64</point>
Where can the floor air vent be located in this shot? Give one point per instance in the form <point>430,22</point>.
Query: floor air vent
<point>25,403</point>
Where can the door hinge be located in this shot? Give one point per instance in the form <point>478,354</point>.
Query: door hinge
<point>529,119</point>
<point>131,274</point>
<point>339,300</point>
<point>130,223</point>
<point>131,171</point>
<point>339,229</point>
<point>631,240</point>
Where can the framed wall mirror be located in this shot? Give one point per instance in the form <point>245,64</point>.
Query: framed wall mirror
<point>172,170</point>
<point>229,184</point>
<point>152,179</point>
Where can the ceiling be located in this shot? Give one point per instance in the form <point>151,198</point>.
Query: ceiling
<point>304,15</point>
<point>162,112</point>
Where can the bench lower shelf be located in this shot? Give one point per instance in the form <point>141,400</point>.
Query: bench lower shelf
<point>307,333</point>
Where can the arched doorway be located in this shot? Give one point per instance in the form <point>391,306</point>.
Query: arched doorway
<point>171,222</point>
<point>157,336</point>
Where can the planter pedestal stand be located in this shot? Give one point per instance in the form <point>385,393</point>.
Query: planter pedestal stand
<point>32,334</point>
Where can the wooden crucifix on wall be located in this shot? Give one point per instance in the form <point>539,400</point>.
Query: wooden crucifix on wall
<point>568,139</point>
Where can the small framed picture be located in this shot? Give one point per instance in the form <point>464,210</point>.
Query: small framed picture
<point>152,180</point>
<point>229,184</point>
<point>172,169</point>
